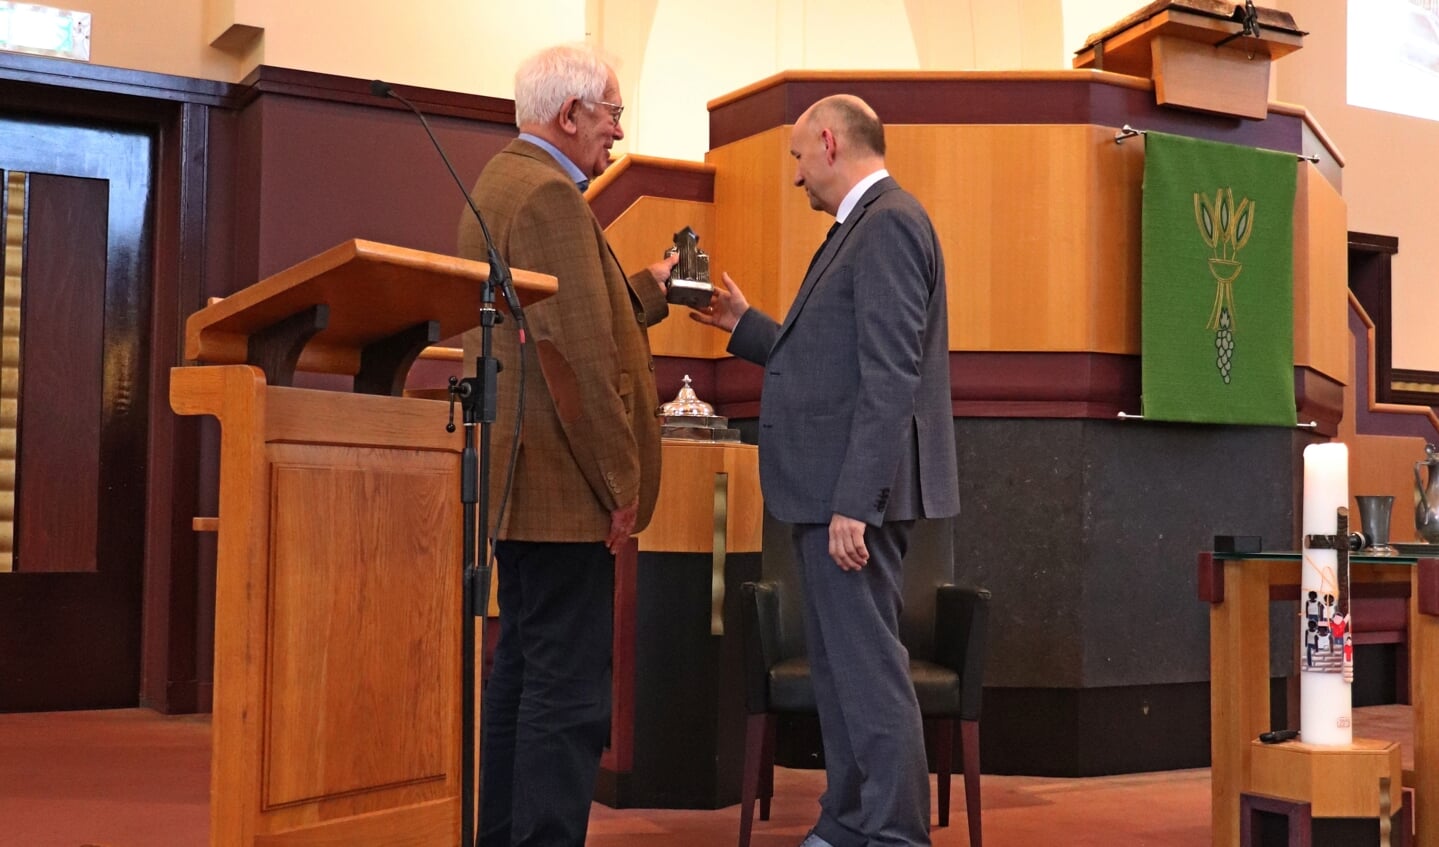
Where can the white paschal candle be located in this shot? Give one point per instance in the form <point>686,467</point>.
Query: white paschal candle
<point>1325,702</point>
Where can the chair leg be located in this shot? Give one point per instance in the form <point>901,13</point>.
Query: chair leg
<point>943,764</point>
<point>969,755</point>
<point>766,772</point>
<point>755,727</point>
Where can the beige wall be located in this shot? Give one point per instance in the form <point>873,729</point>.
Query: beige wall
<point>152,35</point>
<point>674,55</point>
<point>1083,18</point>
<point>1391,171</point>
<point>724,46</point>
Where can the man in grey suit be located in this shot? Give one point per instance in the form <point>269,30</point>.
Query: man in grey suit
<point>856,443</point>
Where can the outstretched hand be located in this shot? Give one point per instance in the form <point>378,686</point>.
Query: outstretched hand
<point>726,307</point>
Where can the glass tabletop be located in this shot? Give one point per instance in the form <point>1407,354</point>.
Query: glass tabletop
<point>1409,554</point>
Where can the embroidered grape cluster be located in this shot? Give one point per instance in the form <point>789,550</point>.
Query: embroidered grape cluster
<point>1224,343</point>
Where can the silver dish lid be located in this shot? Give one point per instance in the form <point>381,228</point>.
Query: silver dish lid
<point>686,404</point>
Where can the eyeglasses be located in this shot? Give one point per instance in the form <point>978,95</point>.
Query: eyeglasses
<point>615,109</point>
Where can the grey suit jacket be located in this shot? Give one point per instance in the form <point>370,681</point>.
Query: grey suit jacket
<point>855,414</point>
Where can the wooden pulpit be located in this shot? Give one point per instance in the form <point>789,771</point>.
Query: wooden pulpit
<point>338,625</point>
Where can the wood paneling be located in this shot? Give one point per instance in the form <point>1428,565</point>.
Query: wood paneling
<point>1337,783</point>
<point>62,357</point>
<point>363,171</point>
<point>634,177</point>
<point>1040,228</point>
<point>361,600</point>
<point>752,236</point>
<point>337,678</point>
<point>684,519</point>
<point>1321,271</point>
<point>1043,385</point>
<point>1196,75</point>
<point>639,236</point>
<point>1008,97</point>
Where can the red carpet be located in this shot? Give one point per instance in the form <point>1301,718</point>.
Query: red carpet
<point>133,778</point>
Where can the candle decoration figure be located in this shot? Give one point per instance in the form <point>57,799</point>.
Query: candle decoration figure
<point>1325,629</point>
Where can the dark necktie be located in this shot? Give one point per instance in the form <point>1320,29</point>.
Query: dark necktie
<point>827,236</point>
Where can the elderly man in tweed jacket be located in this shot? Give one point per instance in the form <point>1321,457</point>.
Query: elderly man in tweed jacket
<point>587,472</point>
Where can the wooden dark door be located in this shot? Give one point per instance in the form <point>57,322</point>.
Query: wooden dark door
<point>73,399</point>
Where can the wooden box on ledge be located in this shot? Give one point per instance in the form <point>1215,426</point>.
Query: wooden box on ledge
<point>1210,55</point>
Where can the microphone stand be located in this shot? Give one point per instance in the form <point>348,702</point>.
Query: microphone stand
<point>478,397</point>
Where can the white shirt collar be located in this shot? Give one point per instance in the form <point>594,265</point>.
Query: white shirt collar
<point>847,205</point>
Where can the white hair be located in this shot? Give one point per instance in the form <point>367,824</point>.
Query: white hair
<point>545,80</point>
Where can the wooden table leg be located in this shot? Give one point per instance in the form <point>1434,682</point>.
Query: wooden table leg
<point>1239,683</point>
<point>1424,685</point>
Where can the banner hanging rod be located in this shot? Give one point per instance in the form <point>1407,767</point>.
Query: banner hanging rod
<point>1125,416</point>
<point>1128,131</point>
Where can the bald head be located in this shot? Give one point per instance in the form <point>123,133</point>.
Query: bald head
<point>849,118</point>
<point>836,143</point>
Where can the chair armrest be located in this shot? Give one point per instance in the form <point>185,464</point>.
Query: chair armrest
<point>961,624</point>
<point>762,646</point>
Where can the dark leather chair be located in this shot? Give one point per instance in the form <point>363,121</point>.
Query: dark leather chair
<point>948,679</point>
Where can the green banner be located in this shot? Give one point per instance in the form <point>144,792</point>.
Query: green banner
<point>1218,282</point>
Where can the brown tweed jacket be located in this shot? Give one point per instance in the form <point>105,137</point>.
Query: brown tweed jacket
<point>590,442</point>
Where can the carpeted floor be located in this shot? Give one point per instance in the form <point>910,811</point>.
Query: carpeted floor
<point>133,778</point>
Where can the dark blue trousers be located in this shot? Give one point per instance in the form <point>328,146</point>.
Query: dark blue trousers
<point>877,778</point>
<point>546,714</point>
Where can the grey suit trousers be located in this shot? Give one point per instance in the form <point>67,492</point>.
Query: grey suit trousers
<point>878,776</point>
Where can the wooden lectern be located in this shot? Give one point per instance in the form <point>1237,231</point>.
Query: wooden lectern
<point>338,605</point>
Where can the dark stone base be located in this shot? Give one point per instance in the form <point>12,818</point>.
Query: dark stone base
<point>1094,732</point>
<point>1067,733</point>
<point>688,691</point>
<point>1101,731</point>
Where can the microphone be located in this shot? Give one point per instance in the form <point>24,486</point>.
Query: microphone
<point>499,271</point>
